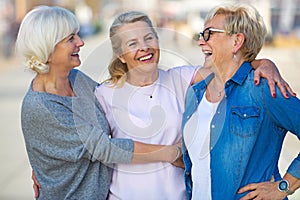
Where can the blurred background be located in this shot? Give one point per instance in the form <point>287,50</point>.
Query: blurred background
<point>186,16</point>
<point>185,20</point>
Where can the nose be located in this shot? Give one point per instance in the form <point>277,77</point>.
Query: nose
<point>143,46</point>
<point>201,41</point>
<point>79,41</point>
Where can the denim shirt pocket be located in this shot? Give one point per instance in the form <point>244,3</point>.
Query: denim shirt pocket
<point>244,120</point>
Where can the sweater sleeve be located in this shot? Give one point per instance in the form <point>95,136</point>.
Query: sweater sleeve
<point>70,129</point>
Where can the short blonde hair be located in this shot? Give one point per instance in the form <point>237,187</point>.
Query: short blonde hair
<point>243,18</point>
<point>117,69</point>
<point>41,29</point>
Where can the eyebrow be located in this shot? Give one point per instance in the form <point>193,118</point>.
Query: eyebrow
<point>134,39</point>
<point>130,40</point>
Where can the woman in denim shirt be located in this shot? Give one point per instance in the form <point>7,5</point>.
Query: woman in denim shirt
<point>233,131</point>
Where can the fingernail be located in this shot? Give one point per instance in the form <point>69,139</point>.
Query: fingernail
<point>287,95</point>
<point>255,82</point>
<point>294,94</point>
<point>274,95</point>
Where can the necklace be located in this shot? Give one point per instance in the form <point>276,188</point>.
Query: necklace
<point>219,93</point>
<point>147,91</point>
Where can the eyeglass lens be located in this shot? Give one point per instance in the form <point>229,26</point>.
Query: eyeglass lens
<point>205,34</point>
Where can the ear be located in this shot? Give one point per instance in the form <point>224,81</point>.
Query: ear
<point>238,42</point>
<point>122,59</point>
<point>49,58</point>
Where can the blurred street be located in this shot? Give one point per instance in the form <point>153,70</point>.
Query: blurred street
<point>15,172</point>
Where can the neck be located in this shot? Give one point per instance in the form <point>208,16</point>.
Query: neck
<point>215,90</point>
<point>226,70</point>
<point>53,83</point>
<point>141,79</point>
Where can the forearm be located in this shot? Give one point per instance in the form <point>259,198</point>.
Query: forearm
<point>145,153</point>
<point>201,74</point>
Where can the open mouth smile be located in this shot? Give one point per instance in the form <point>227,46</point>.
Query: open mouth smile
<point>146,58</point>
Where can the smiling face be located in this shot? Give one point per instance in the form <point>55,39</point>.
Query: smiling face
<point>140,49</point>
<point>218,48</point>
<point>65,56</point>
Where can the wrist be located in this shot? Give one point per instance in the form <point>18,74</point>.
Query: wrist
<point>178,153</point>
<point>284,187</point>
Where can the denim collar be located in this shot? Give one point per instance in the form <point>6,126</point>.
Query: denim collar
<point>240,76</point>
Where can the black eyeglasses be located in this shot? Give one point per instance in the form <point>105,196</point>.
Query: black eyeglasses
<point>206,33</point>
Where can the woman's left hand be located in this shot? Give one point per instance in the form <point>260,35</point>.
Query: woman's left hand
<point>267,69</point>
<point>263,190</point>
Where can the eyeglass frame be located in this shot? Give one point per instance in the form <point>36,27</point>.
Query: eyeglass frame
<point>210,31</point>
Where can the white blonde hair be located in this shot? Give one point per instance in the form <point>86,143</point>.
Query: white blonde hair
<point>41,29</point>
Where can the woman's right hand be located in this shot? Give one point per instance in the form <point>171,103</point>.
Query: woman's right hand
<point>179,162</point>
<point>36,185</point>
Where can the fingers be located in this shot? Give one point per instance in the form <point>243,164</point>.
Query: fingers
<point>34,179</point>
<point>36,190</point>
<point>258,75</point>
<point>36,185</point>
<point>272,85</point>
<point>250,196</point>
<point>246,188</point>
<point>285,88</point>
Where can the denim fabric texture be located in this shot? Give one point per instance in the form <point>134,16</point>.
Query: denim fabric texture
<point>246,133</point>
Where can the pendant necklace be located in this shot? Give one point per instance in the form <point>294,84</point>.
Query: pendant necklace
<point>147,91</point>
<point>219,93</point>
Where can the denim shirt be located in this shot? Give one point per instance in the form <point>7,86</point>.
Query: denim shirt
<point>246,133</point>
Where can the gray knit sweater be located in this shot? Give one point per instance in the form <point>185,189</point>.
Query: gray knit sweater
<point>68,144</point>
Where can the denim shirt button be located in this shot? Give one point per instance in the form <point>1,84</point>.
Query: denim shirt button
<point>218,112</point>
<point>245,115</point>
<point>213,126</point>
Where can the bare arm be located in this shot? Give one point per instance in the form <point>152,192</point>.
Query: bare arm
<point>263,68</point>
<point>145,153</point>
<point>267,69</point>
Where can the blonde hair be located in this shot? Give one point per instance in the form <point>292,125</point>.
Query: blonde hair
<point>41,29</point>
<point>242,18</point>
<point>116,68</point>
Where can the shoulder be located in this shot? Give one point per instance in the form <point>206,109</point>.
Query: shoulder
<point>104,87</point>
<point>75,74</point>
<point>183,73</point>
<point>80,79</point>
<point>182,69</point>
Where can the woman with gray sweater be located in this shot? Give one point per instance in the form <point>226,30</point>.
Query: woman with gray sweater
<point>66,133</point>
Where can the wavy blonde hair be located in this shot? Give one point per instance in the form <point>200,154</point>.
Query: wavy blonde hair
<point>116,68</point>
<point>243,18</point>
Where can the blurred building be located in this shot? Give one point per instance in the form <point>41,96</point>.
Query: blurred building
<point>185,16</point>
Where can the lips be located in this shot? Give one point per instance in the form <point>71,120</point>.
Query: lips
<point>146,57</point>
<point>75,54</point>
<point>207,53</point>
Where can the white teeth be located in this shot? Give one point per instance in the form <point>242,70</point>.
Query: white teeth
<point>146,57</point>
<point>208,53</point>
